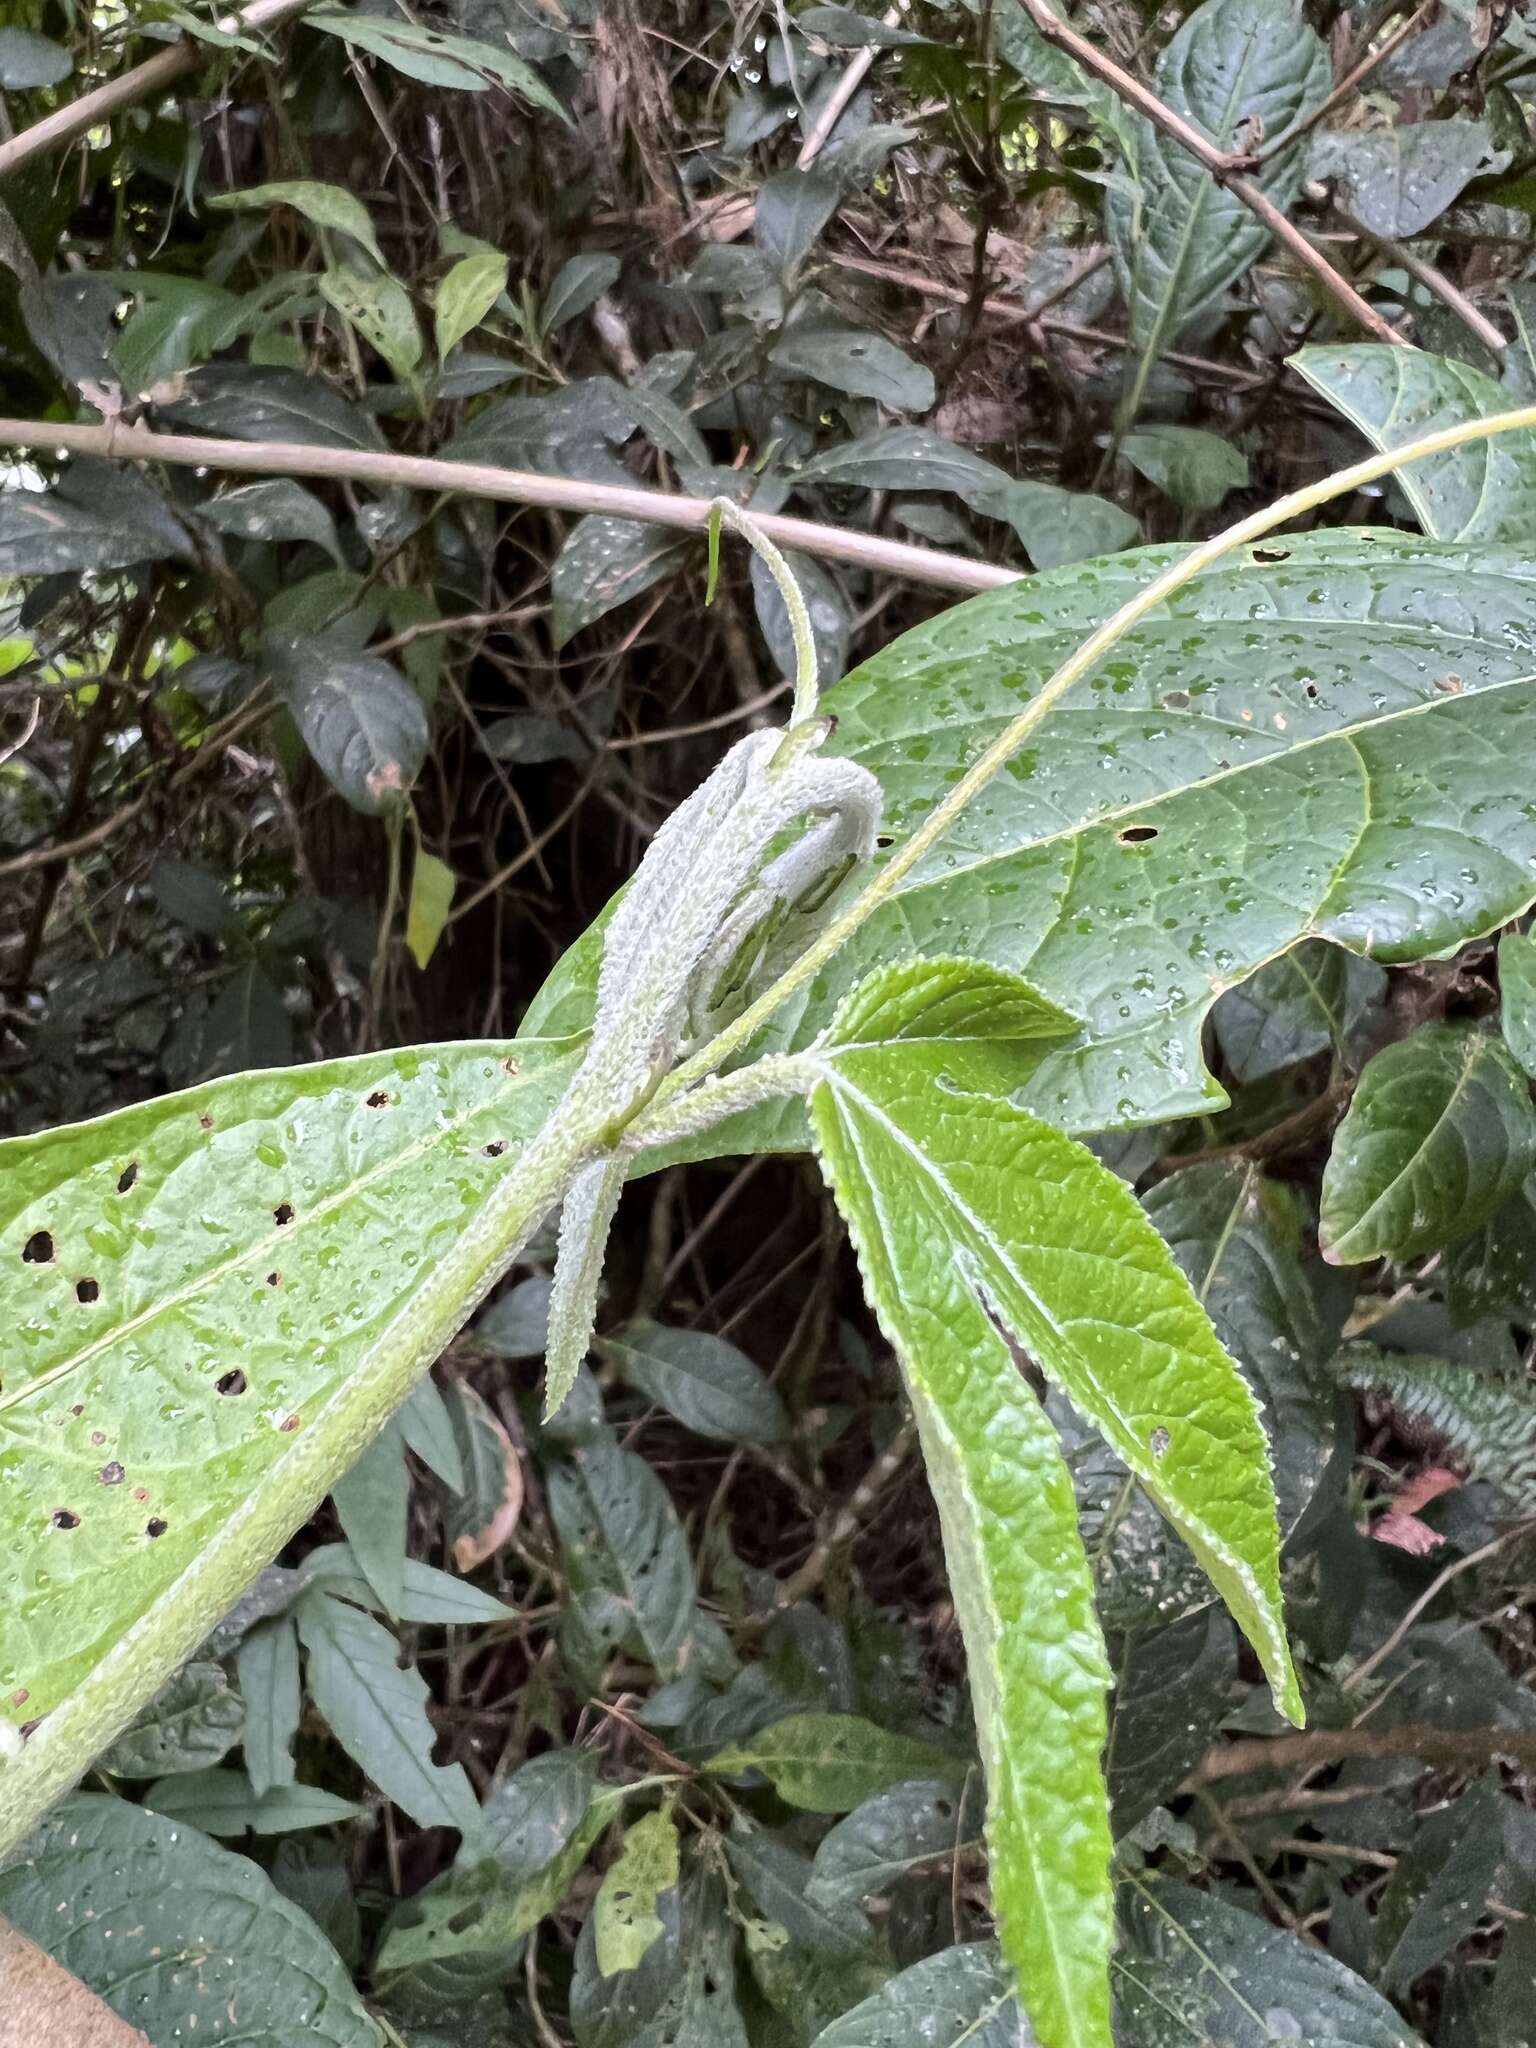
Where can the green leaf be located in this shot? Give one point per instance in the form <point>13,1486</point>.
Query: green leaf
<point>1057,526</point>
<point>1247,769</point>
<point>263,404</point>
<point>225,1802</point>
<point>921,1822</point>
<point>427,1595</point>
<point>830,621</point>
<point>963,1997</point>
<point>323,206</point>
<point>906,459</point>
<point>1440,1132</point>
<point>1194,468</point>
<point>1171,1695</point>
<point>378,1713</point>
<point>360,719</point>
<point>372,1503</point>
<point>829,1763</point>
<point>778,1881</point>
<point>533,1816</point>
<point>1485,491</point>
<point>394,1157</point>
<point>380,309</point>
<point>168,1928</point>
<point>624,1922</point>
<point>28,61</point>
<point>191,1722</point>
<point>427,1428</point>
<point>1517,997</point>
<point>710,1386</point>
<point>1493,1272</point>
<point>273,508</point>
<point>1194,1970</point>
<point>604,563</point>
<point>1054,1247</point>
<point>624,1550</point>
<point>576,287</point>
<point>1398,180</point>
<point>43,534</point>
<point>1234,70</point>
<point>1309,999</point>
<point>681,1995</point>
<point>516,1325</point>
<point>432,887</point>
<point>863,365</point>
<point>792,210</point>
<point>468,292</point>
<point>268,1666</point>
<point>1434,1898</point>
<point>435,57</point>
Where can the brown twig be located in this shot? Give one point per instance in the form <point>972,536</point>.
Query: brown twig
<point>65,124</point>
<point>41,2001</point>
<point>1226,168</point>
<point>1446,1747</point>
<point>1434,281</point>
<point>510,486</point>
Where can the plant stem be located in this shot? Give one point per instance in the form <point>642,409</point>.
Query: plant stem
<point>1077,664</point>
<point>141,1659</point>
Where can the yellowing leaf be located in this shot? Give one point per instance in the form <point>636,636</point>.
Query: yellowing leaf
<point>624,1921</point>
<point>432,887</point>
<point>465,296</point>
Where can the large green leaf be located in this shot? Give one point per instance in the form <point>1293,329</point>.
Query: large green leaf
<point>830,1763</point>
<point>188,1282</point>
<point>1398,180</point>
<point>1051,1244</point>
<point>1441,1132</point>
<point>1194,1971</point>
<point>1236,70</point>
<point>963,1997</point>
<point>1484,491</point>
<point>192,1722</point>
<point>1321,737</point>
<point>177,1935</point>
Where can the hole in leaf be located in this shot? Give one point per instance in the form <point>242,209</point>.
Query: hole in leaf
<point>205,1121</point>
<point>1159,1441</point>
<point>64,1518</point>
<point>38,1249</point>
<point>1176,700</point>
<point>20,1697</point>
<point>511,1066</point>
<point>1136,835</point>
<point>1271,554</point>
<point>128,1176</point>
<point>232,1383</point>
<point>496,1147</point>
<point>378,1099</point>
<point>155,1527</point>
<point>98,1437</point>
<point>1310,692</point>
<point>288,1424</point>
<point>274,1279</point>
<point>112,1475</point>
<point>86,1290</point>
<point>884,839</point>
<point>282,1214</point>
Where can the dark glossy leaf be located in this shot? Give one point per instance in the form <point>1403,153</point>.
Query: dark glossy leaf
<point>360,719</point>
<point>604,563</point>
<point>830,622</point>
<point>792,210</point>
<point>1441,1131</point>
<point>372,1503</point>
<point>961,1998</point>
<point>682,1995</point>
<point>1437,1893</point>
<point>427,1595</point>
<point>862,365</point>
<point>170,1929</point>
<point>1485,491</point>
<point>1311,998</point>
<point>192,1722</point>
<point>275,508</point>
<point>394,1135</point>
<point>43,533</point>
<point>624,1550</point>
<point>1194,468</point>
<point>378,1712</point>
<point>268,1666</point>
<point>225,1802</point>
<point>1195,1970</point>
<point>710,1386</point>
<point>259,404</point>
<point>516,1325</point>
<point>1398,180</point>
<point>1171,1692</point>
<point>576,287</point>
<point>1057,526</point>
<point>921,1822</point>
